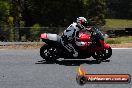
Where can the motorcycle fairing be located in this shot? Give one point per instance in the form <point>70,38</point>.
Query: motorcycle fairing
<point>53,37</point>
<point>43,36</point>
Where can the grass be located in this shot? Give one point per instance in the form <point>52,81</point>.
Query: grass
<point>118,23</point>
<point>119,40</point>
<point>113,41</point>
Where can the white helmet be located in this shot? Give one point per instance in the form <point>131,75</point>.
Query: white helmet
<point>82,22</point>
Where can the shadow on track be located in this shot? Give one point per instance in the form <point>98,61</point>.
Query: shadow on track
<point>72,62</point>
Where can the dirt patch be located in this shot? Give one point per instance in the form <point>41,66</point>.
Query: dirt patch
<point>37,46</point>
<point>21,46</point>
<point>124,45</point>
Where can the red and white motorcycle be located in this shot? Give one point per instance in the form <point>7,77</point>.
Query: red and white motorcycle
<point>95,46</point>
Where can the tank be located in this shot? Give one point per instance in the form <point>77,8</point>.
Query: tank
<point>84,37</point>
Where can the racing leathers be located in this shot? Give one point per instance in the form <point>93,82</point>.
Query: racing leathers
<point>70,36</point>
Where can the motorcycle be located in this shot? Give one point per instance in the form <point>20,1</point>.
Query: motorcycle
<point>95,46</point>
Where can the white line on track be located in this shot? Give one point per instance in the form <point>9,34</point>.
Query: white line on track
<point>112,48</point>
<point>121,48</point>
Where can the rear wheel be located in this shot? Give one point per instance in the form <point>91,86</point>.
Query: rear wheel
<point>102,55</point>
<point>48,53</point>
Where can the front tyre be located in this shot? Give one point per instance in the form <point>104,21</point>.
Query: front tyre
<point>48,53</point>
<point>102,55</point>
<point>107,53</point>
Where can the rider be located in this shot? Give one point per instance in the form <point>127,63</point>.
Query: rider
<point>71,35</point>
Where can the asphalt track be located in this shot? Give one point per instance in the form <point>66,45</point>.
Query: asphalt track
<point>21,69</point>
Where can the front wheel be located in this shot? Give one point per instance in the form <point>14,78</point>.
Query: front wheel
<point>102,55</point>
<point>48,53</point>
<point>108,53</point>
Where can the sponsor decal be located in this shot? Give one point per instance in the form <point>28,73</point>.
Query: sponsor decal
<point>83,78</point>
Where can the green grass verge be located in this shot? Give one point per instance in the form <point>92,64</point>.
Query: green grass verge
<point>119,40</point>
<point>118,23</point>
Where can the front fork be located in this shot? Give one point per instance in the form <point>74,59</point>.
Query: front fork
<point>104,45</point>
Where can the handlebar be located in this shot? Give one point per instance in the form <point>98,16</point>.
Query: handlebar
<point>95,31</point>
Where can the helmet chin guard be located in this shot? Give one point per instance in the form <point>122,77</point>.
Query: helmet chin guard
<point>82,22</point>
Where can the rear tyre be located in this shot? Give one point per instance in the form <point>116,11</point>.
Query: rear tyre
<point>48,53</point>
